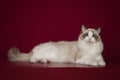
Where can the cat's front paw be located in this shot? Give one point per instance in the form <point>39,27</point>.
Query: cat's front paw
<point>90,62</point>
<point>98,63</point>
<point>86,62</point>
<point>101,63</point>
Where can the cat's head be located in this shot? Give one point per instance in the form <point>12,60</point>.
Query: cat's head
<point>90,35</point>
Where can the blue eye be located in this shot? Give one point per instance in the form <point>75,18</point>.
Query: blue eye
<point>95,36</point>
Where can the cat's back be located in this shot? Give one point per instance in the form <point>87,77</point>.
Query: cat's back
<point>55,45</point>
<point>65,43</point>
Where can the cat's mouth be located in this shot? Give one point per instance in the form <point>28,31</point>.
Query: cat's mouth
<point>90,42</point>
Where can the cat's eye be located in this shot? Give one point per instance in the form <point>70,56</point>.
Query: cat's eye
<point>95,36</point>
<point>85,35</point>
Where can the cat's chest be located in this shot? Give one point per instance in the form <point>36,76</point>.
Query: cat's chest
<point>89,48</point>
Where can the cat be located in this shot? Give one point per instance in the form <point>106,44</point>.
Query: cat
<point>86,51</point>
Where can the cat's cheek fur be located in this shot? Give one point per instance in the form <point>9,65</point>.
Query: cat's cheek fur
<point>93,40</point>
<point>86,39</point>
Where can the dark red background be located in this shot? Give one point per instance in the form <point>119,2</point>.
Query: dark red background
<point>26,23</point>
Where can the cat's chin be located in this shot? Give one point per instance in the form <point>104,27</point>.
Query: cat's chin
<point>90,42</point>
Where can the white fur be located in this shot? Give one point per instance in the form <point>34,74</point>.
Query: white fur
<point>79,52</point>
<point>90,53</point>
<point>55,52</point>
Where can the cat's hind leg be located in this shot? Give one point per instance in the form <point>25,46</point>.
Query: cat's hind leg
<point>40,60</point>
<point>33,60</point>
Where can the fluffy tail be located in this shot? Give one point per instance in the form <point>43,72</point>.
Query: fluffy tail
<point>15,55</point>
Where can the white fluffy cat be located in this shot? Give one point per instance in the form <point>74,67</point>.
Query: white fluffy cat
<point>87,50</point>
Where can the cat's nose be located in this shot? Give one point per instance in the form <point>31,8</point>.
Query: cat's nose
<point>90,39</point>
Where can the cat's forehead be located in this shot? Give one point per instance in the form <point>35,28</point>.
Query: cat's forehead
<point>89,30</point>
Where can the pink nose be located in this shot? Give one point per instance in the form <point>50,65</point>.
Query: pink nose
<point>89,39</point>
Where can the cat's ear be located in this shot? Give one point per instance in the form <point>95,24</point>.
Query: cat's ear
<point>83,28</point>
<point>98,30</point>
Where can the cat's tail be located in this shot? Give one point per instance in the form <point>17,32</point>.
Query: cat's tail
<point>15,55</point>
